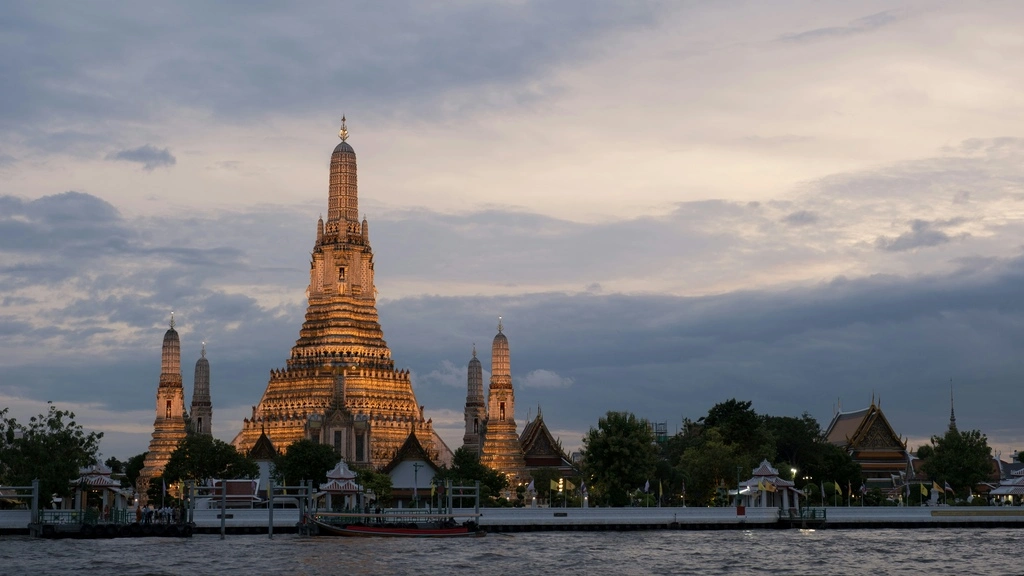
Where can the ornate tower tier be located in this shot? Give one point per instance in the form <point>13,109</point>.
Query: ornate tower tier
<point>501,449</point>
<point>169,427</point>
<point>339,386</point>
<point>476,407</point>
<point>202,409</point>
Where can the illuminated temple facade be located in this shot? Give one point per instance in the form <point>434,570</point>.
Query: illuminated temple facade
<point>501,449</point>
<point>170,425</point>
<point>339,386</point>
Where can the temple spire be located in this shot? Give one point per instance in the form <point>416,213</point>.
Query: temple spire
<point>172,320</point>
<point>203,353</point>
<point>499,324</point>
<point>952,414</point>
<point>343,133</point>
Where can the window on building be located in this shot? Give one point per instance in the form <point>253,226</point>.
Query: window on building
<point>360,450</point>
<point>337,442</point>
<point>167,410</point>
<point>199,425</point>
<point>341,274</point>
<point>501,411</point>
<point>476,425</point>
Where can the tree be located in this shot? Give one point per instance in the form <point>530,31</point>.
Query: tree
<point>619,456</point>
<point>377,482</point>
<point>51,447</point>
<point>132,467</point>
<point>797,440</point>
<point>305,460</point>
<point>963,459</point>
<point>467,469</point>
<point>708,467</point>
<point>200,457</point>
<point>115,465</point>
<point>925,452</point>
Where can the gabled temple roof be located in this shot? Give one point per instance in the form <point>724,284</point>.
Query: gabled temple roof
<point>410,450</point>
<point>263,449</point>
<point>537,440</point>
<point>863,429</point>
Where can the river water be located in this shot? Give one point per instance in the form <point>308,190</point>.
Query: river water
<point>977,552</point>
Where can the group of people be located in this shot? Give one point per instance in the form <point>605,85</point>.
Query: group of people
<point>151,515</point>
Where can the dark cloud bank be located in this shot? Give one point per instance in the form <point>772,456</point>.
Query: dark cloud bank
<point>664,357</point>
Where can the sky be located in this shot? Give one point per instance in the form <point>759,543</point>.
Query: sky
<point>804,204</point>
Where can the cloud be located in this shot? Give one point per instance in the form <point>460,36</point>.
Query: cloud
<point>922,234</point>
<point>149,156</point>
<point>800,218</point>
<point>544,379</point>
<point>856,27</point>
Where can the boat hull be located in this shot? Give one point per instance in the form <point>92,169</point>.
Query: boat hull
<point>387,531</point>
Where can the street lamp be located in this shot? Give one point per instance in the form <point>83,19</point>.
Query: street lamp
<point>415,482</point>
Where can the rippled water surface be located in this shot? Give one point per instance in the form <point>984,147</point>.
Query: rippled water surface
<point>842,552</point>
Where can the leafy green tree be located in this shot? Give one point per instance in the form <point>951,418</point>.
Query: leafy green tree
<point>797,442</point>
<point>51,447</point>
<point>925,452</point>
<point>742,427</point>
<point>467,469</point>
<point>115,465</point>
<point>619,456</point>
<point>710,466</point>
<point>377,482</point>
<point>132,467</point>
<point>305,460</point>
<point>963,459</point>
<point>200,457</point>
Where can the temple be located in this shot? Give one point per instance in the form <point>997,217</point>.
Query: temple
<point>170,427</point>
<point>339,385</point>
<point>501,450</point>
<point>869,438</point>
<point>476,406</point>
<point>201,413</point>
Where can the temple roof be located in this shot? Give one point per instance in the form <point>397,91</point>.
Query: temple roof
<point>864,429</point>
<point>410,450</point>
<point>263,449</point>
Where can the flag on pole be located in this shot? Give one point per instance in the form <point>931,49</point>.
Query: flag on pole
<point>569,485</point>
<point>163,483</point>
<point>684,486</point>
<point>924,491</point>
<point>822,487</point>
<point>647,486</point>
<point>529,488</point>
<point>839,491</point>
<point>433,489</point>
<point>583,487</point>
<point>863,489</point>
<point>554,485</point>
<point>936,487</point>
<point>950,489</point>
<point>760,486</point>
<point>659,488</point>
<point>769,487</point>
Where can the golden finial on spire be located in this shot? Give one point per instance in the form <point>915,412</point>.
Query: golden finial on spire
<point>474,349</point>
<point>343,133</point>
<point>499,323</point>
<point>172,320</point>
<point>203,353</point>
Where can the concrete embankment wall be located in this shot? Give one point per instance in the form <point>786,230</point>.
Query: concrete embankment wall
<point>255,521</point>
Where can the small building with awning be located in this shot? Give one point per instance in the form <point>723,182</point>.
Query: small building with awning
<point>766,489</point>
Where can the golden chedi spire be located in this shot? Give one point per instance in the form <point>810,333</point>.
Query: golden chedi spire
<point>339,385</point>
<point>169,426</point>
<point>501,448</point>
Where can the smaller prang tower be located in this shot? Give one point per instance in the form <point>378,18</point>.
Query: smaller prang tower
<point>476,407</point>
<point>501,449</point>
<point>202,408</point>
<point>169,427</point>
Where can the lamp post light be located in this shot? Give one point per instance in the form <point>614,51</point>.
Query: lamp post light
<point>415,483</point>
